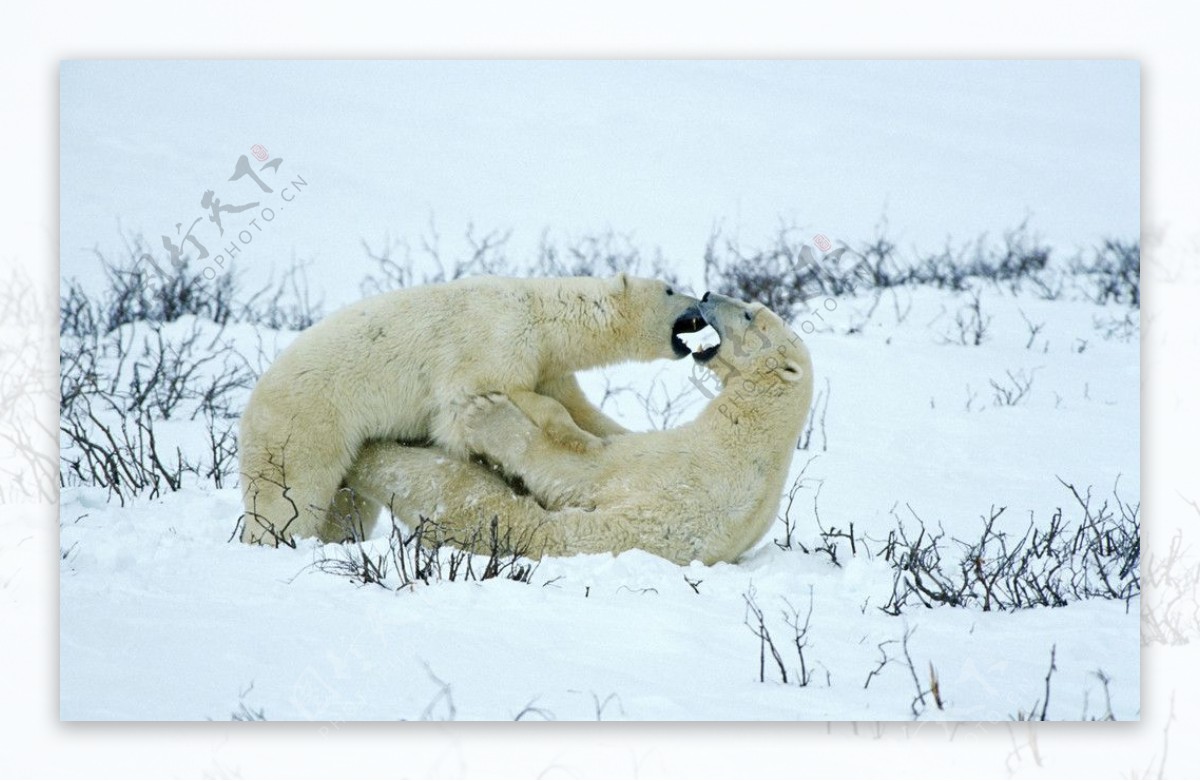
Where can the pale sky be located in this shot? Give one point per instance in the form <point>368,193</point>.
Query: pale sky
<point>661,149</point>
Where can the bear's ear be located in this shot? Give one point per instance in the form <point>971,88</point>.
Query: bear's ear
<point>791,371</point>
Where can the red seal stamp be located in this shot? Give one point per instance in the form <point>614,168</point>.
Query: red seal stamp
<point>260,152</point>
<point>822,241</point>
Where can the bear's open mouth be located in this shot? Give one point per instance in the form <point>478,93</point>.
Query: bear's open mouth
<point>688,323</point>
<point>707,354</point>
<point>704,343</point>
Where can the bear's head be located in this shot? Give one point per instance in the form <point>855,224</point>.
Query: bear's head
<point>758,355</point>
<point>653,314</point>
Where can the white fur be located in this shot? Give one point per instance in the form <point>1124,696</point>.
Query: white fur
<point>707,490</point>
<point>406,365</point>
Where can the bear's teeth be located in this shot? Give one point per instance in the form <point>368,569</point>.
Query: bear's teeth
<point>701,340</point>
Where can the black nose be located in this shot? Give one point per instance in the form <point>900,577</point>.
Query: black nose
<point>705,298</point>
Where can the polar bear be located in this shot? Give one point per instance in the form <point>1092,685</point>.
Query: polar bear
<point>707,490</point>
<point>406,365</point>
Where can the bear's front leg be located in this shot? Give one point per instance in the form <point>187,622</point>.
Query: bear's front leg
<point>494,428</point>
<point>555,421</point>
<point>566,391</point>
<point>499,431</point>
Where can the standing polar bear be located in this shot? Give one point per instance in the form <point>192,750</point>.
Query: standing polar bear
<point>707,490</point>
<point>407,365</point>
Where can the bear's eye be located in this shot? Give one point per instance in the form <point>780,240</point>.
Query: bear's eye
<point>670,291</point>
<point>749,316</point>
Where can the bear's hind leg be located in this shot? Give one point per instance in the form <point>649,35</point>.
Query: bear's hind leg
<point>351,516</point>
<point>288,490</point>
<point>558,477</point>
<point>462,501</point>
<point>458,499</point>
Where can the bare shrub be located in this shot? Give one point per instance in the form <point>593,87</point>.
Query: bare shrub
<point>800,637</point>
<point>27,464</point>
<point>970,323</point>
<point>883,662</point>
<point>831,538</point>
<point>1171,613</point>
<point>141,287</point>
<point>1112,272</point>
<point>788,511</point>
<point>599,254</point>
<point>785,274</point>
<point>270,532</point>
<point>816,421</point>
<point>1034,714</point>
<point>109,447</point>
<point>428,553</point>
<point>125,370</point>
<point>947,269</point>
<point>1125,328</point>
<point>1011,392</point>
<point>755,620</point>
<point>170,373</point>
<point>283,305</point>
<point>114,399</point>
<point>663,407</point>
<point>399,264</point>
<point>1034,329</point>
<point>244,712</point>
<point>756,623</point>
<point>1049,564</point>
<point>917,568</point>
<point>1021,255</point>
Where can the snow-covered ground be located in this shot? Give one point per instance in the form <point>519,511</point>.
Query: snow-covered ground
<point>163,618</point>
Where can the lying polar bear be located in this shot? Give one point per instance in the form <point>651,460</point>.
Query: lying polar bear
<point>707,490</point>
<point>406,365</point>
